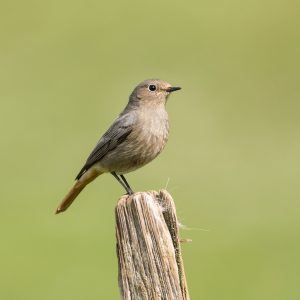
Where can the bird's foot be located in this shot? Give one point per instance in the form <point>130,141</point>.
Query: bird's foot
<point>130,192</point>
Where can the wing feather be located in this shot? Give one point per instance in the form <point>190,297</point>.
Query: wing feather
<point>112,138</point>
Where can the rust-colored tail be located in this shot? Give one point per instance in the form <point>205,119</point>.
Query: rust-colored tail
<point>80,184</point>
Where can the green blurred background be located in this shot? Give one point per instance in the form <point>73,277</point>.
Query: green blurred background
<point>66,70</point>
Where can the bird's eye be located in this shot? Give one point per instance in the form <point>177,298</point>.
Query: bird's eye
<point>152,87</point>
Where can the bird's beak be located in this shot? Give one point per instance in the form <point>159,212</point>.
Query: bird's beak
<point>173,89</point>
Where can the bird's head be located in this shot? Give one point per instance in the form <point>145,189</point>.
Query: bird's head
<point>152,91</point>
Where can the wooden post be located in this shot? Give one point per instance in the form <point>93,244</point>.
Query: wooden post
<point>148,248</point>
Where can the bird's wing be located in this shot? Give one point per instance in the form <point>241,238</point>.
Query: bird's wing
<point>112,138</point>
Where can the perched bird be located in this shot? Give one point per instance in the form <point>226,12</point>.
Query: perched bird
<point>135,138</point>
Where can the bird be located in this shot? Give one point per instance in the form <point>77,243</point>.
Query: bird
<point>134,139</point>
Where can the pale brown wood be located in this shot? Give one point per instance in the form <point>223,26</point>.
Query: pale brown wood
<point>148,248</point>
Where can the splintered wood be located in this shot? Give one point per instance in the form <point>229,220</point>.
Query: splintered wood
<point>148,248</point>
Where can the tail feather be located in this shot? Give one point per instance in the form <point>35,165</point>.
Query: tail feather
<point>79,185</point>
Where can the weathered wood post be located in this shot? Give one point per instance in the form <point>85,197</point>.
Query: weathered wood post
<point>148,248</point>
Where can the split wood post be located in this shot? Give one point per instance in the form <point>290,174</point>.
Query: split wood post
<point>148,248</point>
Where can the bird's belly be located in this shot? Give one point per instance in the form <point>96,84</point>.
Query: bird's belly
<point>137,150</point>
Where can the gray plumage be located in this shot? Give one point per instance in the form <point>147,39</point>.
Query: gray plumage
<point>113,138</point>
<point>135,138</point>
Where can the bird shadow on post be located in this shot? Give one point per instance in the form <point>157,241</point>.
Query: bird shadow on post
<point>148,248</point>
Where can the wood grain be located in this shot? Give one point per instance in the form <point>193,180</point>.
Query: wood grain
<point>148,248</point>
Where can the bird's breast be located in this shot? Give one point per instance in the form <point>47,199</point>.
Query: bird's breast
<point>151,132</point>
<point>146,140</point>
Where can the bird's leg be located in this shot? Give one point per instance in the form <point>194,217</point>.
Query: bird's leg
<point>127,188</point>
<point>127,184</point>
